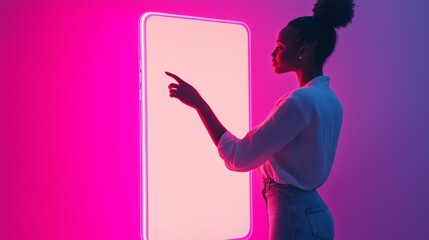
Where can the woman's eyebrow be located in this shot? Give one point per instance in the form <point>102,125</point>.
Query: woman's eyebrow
<point>281,42</point>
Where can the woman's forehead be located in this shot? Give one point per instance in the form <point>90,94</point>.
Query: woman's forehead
<point>287,35</point>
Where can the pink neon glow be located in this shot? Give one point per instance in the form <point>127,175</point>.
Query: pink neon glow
<point>69,105</point>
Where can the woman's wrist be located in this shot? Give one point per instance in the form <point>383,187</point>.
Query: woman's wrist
<point>211,122</point>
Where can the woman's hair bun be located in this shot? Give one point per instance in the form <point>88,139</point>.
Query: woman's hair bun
<point>336,13</point>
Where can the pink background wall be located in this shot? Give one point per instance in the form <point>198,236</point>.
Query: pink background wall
<point>69,139</point>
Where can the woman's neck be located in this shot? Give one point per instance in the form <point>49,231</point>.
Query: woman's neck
<point>306,74</point>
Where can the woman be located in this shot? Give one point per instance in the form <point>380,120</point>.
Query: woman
<point>293,149</point>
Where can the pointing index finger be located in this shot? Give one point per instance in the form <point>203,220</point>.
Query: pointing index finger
<point>175,77</point>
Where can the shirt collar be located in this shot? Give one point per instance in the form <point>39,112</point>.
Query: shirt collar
<point>320,80</point>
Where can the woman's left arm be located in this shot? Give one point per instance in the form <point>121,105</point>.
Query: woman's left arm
<point>187,94</point>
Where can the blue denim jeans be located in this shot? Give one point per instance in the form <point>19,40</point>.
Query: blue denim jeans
<point>296,214</point>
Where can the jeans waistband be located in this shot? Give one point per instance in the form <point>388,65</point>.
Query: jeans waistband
<point>269,182</point>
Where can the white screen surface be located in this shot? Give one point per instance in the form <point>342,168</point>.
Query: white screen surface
<point>187,192</point>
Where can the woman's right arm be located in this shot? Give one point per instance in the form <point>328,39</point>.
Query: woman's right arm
<point>211,122</point>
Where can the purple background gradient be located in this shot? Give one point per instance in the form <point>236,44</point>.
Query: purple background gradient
<point>69,114</point>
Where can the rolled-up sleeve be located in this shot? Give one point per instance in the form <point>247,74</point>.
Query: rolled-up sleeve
<point>280,127</point>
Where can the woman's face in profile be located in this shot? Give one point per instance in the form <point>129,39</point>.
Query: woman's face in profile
<point>286,54</point>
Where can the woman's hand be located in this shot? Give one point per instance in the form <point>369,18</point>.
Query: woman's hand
<point>185,92</point>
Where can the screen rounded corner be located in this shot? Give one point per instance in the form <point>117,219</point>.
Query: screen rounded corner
<point>249,233</point>
<point>245,26</point>
<point>146,16</point>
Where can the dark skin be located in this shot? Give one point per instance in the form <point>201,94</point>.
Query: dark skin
<point>187,94</point>
<point>289,55</point>
<point>292,55</point>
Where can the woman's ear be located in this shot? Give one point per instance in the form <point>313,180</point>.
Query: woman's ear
<point>308,49</point>
<point>304,52</point>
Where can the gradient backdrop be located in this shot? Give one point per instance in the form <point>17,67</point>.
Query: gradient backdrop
<point>69,110</point>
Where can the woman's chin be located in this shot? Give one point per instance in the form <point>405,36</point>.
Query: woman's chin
<point>277,70</point>
<point>280,70</point>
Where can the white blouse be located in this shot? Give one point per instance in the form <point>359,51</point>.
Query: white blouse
<point>296,143</point>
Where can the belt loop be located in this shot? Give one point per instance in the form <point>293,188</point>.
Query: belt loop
<point>267,184</point>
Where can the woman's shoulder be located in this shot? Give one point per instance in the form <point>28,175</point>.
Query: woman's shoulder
<point>300,94</point>
<point>294,97</point>
<point>316,98</point>
<point>305,97</point>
